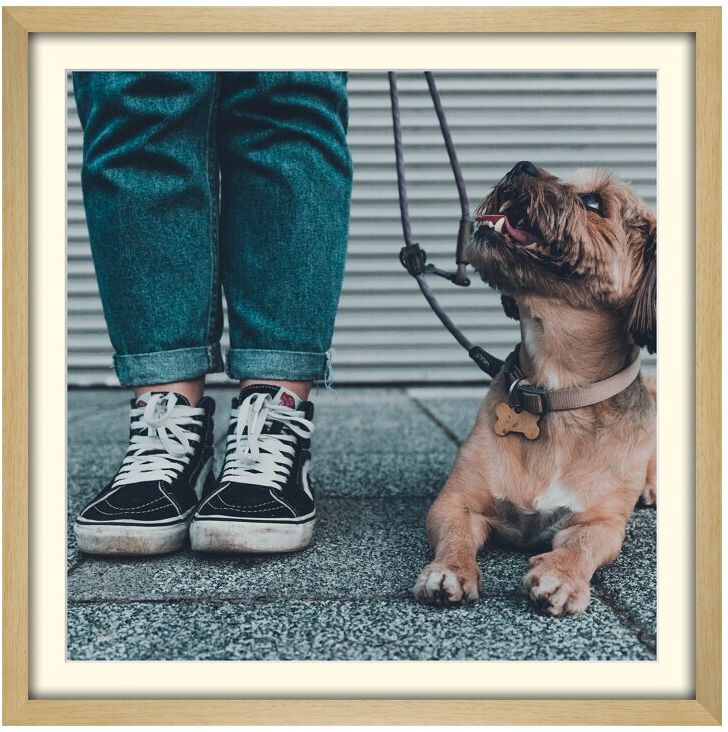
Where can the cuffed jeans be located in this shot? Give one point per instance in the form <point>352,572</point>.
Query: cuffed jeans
<point>196,182</point>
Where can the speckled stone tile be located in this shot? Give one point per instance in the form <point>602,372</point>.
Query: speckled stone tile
<point>498,628</point>
<point>457,413</point>
<point>379,459</point>
<point>82,403</point>
<point>381,475</point>
<point>362,549</point>
<point>629,584</point>
<point>375,425</point>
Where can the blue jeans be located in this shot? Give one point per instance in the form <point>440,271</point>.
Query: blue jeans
<point>196,182</point>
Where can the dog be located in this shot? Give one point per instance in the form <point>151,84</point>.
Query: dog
<point>576,265</point>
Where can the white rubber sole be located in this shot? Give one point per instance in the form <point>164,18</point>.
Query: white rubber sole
<point>124,539</point>
<point>250,537</point>
<point>133,539</point>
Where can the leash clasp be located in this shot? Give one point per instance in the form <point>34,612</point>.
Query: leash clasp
<point>485,361</point>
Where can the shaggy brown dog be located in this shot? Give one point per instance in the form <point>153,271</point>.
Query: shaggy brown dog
<point>577,265</point>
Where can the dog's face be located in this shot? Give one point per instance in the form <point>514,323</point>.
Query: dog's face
<point>590,243</point>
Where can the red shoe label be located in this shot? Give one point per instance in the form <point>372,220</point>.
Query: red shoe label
<point>288,401</point>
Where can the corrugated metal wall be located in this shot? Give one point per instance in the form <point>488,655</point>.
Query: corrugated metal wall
<point>384,331</point>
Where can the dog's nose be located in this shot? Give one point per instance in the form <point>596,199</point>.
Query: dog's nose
<point>525,166</point>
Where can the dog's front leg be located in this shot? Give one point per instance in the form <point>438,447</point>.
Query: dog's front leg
<point>558,581</point>
<point>457,532</point>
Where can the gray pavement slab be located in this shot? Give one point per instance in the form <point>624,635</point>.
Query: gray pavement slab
<point>373,425</point>
<point>498,628</point>
<point>363,549</point>
<point>84,402</point>
<point>629,584</point>
<point>379,458</point>
<point>456,413</point>
<point>382,474</point>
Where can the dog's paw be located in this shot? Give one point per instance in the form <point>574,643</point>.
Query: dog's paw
<point>440,584</point>
<point>649,495</point>
<point>552,590</point>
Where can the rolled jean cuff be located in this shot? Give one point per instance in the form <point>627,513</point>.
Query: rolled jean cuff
<point>166,367</point>
<point>245,363</point>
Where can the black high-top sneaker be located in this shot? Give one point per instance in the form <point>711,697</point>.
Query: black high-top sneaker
<point>146,507</point>
<point>263,501</point>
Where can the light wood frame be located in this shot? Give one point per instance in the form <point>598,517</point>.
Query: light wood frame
<point>704,23</point>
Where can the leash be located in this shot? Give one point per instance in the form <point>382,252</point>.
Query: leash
<point>526,402</point>
<point>412,255</point>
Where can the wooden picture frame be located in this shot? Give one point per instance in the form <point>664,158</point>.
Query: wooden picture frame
<point>704,24</point>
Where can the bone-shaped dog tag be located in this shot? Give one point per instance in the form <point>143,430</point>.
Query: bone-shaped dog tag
<point>511,421</point>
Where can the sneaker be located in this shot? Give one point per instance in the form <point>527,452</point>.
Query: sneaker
<point>146,507</point>
<point>263,500</point>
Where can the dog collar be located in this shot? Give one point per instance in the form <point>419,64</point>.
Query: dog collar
<point>522,395</point>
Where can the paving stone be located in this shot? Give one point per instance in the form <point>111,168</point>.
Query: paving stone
<point>85,402</point>
<point>629,584</point>
<point>375,425</point>
<point>362,549</point>
<point>383,474</point>
<point>457,414</point>
<point>498,628</point>
<point>98,461</point>
<point>379,459</point>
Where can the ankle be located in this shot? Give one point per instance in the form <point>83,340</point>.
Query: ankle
<point>191,390</point>
<point>301,389</point>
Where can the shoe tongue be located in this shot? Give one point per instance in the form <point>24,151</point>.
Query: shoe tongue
<point>143,400</point>
<point>284,397</point>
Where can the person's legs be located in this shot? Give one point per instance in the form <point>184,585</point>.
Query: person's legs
<point>150,183</point>
<point>286,185</point>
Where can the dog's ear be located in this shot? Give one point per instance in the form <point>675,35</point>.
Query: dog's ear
<point>509,307</point>
<point>642,318</point>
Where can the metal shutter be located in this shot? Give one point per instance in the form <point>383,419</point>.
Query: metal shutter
<point>385,333</point>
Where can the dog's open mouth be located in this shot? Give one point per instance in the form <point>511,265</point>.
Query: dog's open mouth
<point>513,227</point>
<point>502,226</point>
<point>518,232</point>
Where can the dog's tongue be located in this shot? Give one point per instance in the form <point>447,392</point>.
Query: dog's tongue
<point>496,219</point>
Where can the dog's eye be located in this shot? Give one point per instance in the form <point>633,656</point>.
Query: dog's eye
<point>592,201</point>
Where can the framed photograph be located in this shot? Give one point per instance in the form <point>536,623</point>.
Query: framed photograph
<point>495,504</point>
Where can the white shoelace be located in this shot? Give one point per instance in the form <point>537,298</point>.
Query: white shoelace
<point>167,446</point>
<point>258,458</point>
